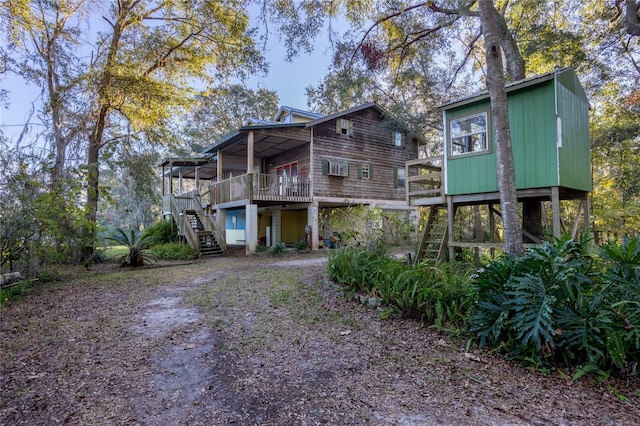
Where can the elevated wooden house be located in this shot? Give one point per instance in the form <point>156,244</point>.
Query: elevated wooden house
<point>268,181</point>
<point>549,123</point>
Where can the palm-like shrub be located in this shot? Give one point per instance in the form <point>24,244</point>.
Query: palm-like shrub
<point>137,246</point>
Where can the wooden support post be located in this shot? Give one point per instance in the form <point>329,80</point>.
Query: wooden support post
<point>312,220</point>
<point>219,167</point>
<point>164,190</point>
<point>171,177</point>
<point>587,217</point>
<point>450,217</point>
<point>250,149</point>
<point>555,207</point>
<point>492,229</point>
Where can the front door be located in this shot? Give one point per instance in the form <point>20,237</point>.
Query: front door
<point>287,177</point>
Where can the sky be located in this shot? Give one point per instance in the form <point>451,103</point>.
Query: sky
<point>288,79</point>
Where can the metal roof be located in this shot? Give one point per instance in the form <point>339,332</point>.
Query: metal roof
<point>509,87</point>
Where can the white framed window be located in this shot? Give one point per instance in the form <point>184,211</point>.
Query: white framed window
<point>344,126</point>
<point>365,171</point>
<point>397,138</point>
<point>400,177</point>
<point>335,168</point>
<point>469,135</point>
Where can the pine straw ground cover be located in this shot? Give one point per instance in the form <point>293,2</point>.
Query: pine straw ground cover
<point>260,340</point>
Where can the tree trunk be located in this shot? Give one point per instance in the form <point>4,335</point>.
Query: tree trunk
<point>93,184</point>
<point>500,122</point>
<point>514,59</point>
<point>532,219</point>
<point>632,17</point>
<point>95,138</point>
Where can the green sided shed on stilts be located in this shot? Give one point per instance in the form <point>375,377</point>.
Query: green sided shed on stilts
<point>549,123</point>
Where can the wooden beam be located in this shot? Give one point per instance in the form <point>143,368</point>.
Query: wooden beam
<point>450,217</point>
<point>250,151</point>
<point>432,178</point>
<point>555,207</point>
<point>483,245</point>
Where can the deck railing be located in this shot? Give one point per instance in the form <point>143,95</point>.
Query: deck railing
<point>424,181</point>
<point>179,204</point>
<point>260,187</point>
<point>270,187</point>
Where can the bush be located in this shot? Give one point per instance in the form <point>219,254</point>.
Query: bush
<point>162,232</point>
<point>278,249</point>
<point>14,292</point>
<point>174,251</point>
<point>302,245</point>
<point>440,296</point>
<point>560,303</point>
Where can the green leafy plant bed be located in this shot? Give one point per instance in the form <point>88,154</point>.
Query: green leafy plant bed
<point>564,303</point>
<point>174,251</point>
<point>437,295</point>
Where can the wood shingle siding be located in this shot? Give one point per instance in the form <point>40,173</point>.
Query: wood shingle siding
<point>371,143</point>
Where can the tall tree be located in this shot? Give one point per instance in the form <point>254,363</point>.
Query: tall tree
<point>44,36</point>
<point>500,121</point>
<point>146,63</point>
<point>631,15</point>
<point>222,109</point>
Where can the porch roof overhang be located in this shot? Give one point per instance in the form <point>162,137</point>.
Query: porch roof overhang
<point>186,167</point>
<point>269,140</point>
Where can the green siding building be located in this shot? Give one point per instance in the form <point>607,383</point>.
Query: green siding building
<point>549,123</point>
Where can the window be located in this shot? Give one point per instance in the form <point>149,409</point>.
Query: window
<point>397,138</point>
<point>365,171</point>
<point>344,127</point>
<point>469,134</point>
<point>335,168</point>
<point>400,177</point>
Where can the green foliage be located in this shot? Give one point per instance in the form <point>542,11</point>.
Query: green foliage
<point>367,227</point>
<point>137,246</point>
<point>40,224</point>
<point>162,232</point>
<point>302,245</point>
<point>173,251</point>
<point>560,303</point>
<point>440,296</point>
<point>14,292</point>
<point>278,249</point>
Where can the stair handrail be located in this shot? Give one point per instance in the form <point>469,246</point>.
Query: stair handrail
<point>183,225</point>
<point>210,224</point>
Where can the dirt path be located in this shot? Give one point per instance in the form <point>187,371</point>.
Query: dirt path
<point>260,341</point>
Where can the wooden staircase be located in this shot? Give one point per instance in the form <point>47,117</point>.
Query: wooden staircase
<point>433,244</point>
<point>207,242</point>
